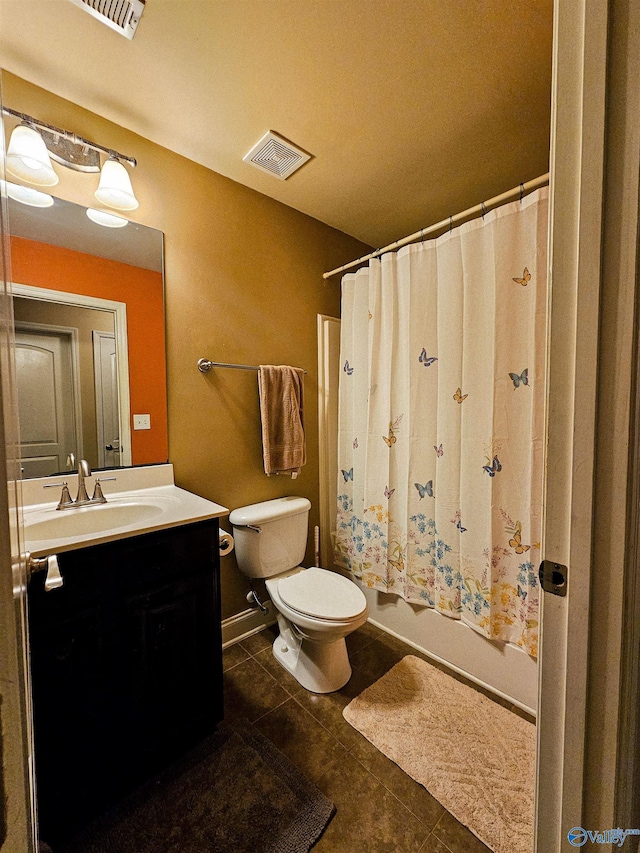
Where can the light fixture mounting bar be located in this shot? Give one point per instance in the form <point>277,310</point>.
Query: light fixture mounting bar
<point>67,134</point>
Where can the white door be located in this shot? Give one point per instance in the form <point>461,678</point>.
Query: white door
<point>46,401</point>
<point>107,411</point>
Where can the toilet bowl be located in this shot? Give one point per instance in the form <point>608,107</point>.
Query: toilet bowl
<point>316,608</point>
<point>311,645</point>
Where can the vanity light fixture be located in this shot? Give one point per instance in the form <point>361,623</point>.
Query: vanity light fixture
<point>103,217</point>
<point>27,195</point>
<point>28,158</point>
<point>34,142</point>
<point>115,188</point>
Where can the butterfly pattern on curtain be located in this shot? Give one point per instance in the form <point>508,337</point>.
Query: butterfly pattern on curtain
<point>441,422</point>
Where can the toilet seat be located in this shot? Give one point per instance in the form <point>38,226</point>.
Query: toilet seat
<point>322,594</point>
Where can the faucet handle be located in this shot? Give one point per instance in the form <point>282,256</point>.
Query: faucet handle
<point>98,497</point>
<point>65,498</point>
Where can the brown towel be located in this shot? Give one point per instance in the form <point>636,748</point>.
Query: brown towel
<point>281,412</point>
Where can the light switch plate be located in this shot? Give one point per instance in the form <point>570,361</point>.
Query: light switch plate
<point>142,421</point>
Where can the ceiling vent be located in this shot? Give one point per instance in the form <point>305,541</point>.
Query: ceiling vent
<point>277,156</point>
<point>123,16</point>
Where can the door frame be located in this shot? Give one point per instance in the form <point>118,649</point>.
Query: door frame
<point>119,311</point>
<point>575,211</point>
<point>96,337</point>
<point>327,471</point>
<point>17,775</point>
<point>595,156</point>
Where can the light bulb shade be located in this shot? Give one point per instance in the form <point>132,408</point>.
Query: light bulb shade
<point>115,188</point>
<point>27,195</point>
<point>109,220</point>
<point>28,158</point>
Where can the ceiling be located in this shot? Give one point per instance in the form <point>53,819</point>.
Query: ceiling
<point>411,109</point>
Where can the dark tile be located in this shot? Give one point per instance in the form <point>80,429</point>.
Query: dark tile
<point>249,691</point>
<point>302,739</point>
<point>327,708</point>
<point>434,845</point>
<point>456,837</point>
<point>379,656</point>
<point>284,678</point>
<point>368,816</point>
<point>362,637</point>
<point>263,639</point>
<point>413,795</point>
<point>233,655</point>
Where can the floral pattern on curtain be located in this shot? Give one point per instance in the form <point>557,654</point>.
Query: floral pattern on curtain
<point>441,421</point>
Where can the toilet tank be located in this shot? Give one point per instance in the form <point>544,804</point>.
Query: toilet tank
<point>270,537</point>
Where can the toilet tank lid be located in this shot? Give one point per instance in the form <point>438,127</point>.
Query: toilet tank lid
<point>268,511</point>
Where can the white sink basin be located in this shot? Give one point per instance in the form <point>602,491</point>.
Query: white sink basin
<point>55,524</point>
<point>130,512</point>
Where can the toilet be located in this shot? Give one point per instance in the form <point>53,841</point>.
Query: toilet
<point>316,608</point>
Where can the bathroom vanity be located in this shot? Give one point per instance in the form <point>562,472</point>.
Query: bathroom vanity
<point>126,655</point>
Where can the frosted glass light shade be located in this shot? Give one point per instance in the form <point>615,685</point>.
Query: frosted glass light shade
<point>115,188</point>
<point>28,158</point>
<point>109,220</point>
<point>27,195</point>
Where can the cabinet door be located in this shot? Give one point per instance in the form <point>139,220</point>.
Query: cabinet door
<point>126,666</point>
<point>72,701</point>
<point>171,664</point>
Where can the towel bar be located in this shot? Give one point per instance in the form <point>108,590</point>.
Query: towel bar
<point>204,365</point>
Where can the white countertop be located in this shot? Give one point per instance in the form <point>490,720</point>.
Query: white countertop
<point>146,501</point>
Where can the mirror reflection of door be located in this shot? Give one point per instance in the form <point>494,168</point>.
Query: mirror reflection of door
<point>86,321</point>
<point>48,399</point>
<point>107,413</point>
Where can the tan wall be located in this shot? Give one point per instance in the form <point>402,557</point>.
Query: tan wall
<point>243,284</point>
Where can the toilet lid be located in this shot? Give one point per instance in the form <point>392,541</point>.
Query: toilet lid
<point>323,594</point>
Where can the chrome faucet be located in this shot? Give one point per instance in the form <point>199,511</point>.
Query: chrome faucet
<point>82,498</point>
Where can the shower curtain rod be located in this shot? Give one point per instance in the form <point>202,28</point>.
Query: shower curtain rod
<point>481,208</point>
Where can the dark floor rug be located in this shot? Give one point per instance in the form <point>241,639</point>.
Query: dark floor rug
<point>235,793</point>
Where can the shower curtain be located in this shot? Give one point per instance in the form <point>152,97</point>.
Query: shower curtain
<point>441,421</point>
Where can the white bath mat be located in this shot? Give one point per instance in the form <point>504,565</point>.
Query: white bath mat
<point>474,756</point>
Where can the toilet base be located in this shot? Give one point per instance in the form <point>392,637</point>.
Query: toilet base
<point>319,667</point>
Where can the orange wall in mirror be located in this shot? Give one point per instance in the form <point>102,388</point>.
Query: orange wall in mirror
<point>56,268</point>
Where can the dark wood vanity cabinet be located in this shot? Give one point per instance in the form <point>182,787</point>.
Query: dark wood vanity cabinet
<point>126,662</point>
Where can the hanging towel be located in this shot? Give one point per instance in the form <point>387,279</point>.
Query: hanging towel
<point>281,412</point>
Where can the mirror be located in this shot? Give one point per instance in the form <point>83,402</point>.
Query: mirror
<point>90,340</point>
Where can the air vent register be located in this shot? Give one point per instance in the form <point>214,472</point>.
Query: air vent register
<point>123,16</point>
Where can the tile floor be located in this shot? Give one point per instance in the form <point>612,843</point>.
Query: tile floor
<point>379,808</point>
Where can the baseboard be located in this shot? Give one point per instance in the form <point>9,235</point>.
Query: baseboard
<point>246,623</point>
<point>456,669</point>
